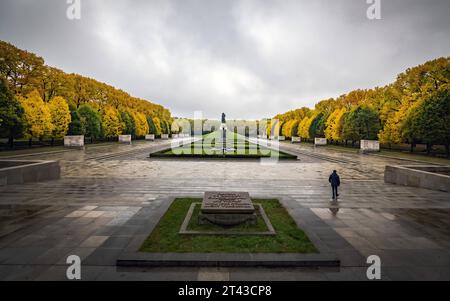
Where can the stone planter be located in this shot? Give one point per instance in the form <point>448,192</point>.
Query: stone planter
<point>74,141</point>
<point>164,136</point>
<point>370,146</point>
<point>125,139</point>
<point>150,137</point>
<point>281,138</point>
<point>296,140</point>
<point>424,176</point>
<point>25,171</point>
<point>320,141</point>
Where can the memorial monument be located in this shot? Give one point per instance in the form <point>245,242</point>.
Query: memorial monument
<point>227,208</point>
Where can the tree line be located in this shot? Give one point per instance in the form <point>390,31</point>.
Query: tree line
<point>414,109</point>
<point>38,101</point>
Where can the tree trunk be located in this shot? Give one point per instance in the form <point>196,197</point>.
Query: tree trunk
<point>30,142</point>
<point>11,141</point>
<point>447,150</point>
<point>53,141</point>
<point>428,148</point>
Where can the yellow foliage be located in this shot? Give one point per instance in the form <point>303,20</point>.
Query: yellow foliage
<point>59,110</point>
<point>303,126</point>
<point>37,116</point>
<point>157,123</point>
<point>334,124</point>
<point>141,124</point>
<point>112,126</point>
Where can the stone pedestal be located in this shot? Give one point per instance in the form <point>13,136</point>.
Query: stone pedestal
<point>281,138</point>
<point>74,141</point>
<point>320,141</point>
<point>125,139</point>
<point>150,137</point>
<point>227,208</point>
<point>296,140</point>
<point>165,136</point>
<point>370,146</point>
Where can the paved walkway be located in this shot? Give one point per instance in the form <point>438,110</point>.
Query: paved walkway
<point>102,188</point>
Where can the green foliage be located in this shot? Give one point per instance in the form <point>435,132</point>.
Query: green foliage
<point>429,121</point>
<point>77,125</point>
<point>361,123</point>
<point>129,127</point>
<point>93,120</point>
<point>151,126</point>
<point>11,113</point>
<point>317,127</point>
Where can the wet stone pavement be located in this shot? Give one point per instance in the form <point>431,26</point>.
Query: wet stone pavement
<point>105,191</point>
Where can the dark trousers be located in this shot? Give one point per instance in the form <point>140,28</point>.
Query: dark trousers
<point>334,191</point>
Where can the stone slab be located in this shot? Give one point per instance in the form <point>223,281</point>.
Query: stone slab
<point>227,202</point>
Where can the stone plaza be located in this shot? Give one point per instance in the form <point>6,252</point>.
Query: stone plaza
<point>107,191</point>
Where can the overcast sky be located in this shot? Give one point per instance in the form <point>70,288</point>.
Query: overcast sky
<point>249,59</point>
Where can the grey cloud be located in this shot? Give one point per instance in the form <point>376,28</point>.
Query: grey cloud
<point>251,59</point>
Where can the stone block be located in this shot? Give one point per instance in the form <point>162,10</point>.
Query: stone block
<point>125,139</point>
<point>296,140</point>
<point>74,141</point>
<point>320,141</point>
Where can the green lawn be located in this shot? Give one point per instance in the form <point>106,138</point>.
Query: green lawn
<point>211,146</point>
<point>288,239</point>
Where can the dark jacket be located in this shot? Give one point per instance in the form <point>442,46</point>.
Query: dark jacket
<point>334,179</point>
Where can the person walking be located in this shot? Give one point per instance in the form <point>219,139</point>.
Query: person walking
<point>335,182</point>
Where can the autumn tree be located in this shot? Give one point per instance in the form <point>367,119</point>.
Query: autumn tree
<point>151,126</point>
<point>11,114</point>
<point>334,124</point>
<point>37,117</point>
<point>361,123</point>
<point>157,123</point>
<point>111,123</point>
<point>317,126</point>
<point>60,113</point>
<point>93,121</point>
<point>429,121</point>
<point>77,124</point>
<point>129,127</point>
<point>141,125</point>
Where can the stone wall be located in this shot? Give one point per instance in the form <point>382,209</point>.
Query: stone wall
<point>424,176</point>
<point>24,171</point>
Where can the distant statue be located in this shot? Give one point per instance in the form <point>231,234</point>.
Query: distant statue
<point>223,118</point>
